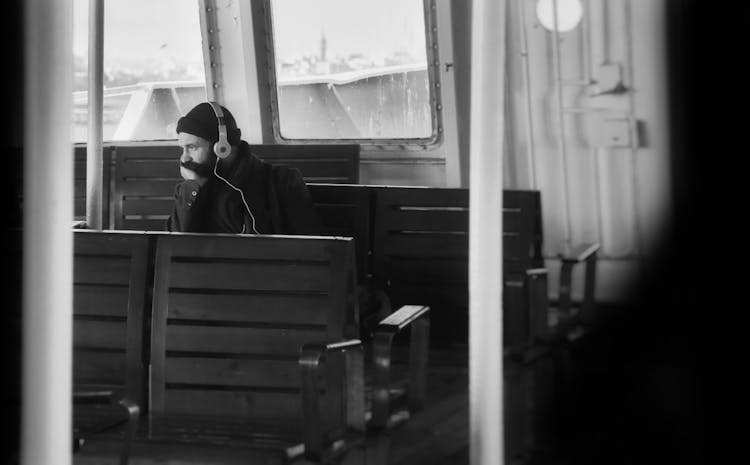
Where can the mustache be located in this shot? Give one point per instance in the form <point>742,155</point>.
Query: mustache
<point>201,169</point>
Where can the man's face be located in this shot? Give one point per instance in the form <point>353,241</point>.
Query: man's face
<point>195,148</point>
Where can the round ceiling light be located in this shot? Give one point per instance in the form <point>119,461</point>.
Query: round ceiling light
<point>569,14</point>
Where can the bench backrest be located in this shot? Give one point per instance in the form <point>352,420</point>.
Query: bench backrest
<point>421,250</point>
<point>79,183</point>
<point>144,178</point>
<point>143,186</point>
<point>230,314</point>
<point>332,164</point>
<point>110,297</point>
<point>346,210</point>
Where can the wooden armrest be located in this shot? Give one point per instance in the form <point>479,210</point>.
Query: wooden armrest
<point>309,361</point>
<point>415,316</point>
<point>91,394</point>
<point>536,271</point>
<point>585,253</point>
<point>580,253</point>
<point>403,317</point>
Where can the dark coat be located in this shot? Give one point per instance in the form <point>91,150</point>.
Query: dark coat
<point>277,196</point>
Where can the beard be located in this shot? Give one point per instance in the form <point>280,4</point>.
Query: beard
<point>201,169</point>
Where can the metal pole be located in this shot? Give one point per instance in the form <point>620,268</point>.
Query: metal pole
<point>561,125</point>
<point>531,152</point>
<point>486,429</point>
<point>48,239</point>
<point>94,163</point>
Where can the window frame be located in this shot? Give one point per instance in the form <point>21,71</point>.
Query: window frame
<point>385,144</point>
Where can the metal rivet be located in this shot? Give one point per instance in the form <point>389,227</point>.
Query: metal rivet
<point>216,86</point>
<point>208,9</point>
<point>439,106</point>
<point>437,84</point>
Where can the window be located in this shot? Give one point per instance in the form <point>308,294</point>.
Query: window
<point>153,67</point>
<point>353,69</point>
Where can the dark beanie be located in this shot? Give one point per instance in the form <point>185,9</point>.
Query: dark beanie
<point>201,121</point>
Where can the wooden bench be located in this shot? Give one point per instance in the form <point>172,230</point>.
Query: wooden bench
<point>144,177</point>
<point>421,248</point>
<point>110,298</point>
<point>249,359</point>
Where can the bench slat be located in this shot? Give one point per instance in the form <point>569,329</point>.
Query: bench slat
<point>102,334</point>
<point>260,276</point>
<point>226,246</point>
<point>102,367</point>
<point>216,371</point>
<point>148,206</point>
<point>150,187</point>
<point>310,309</point>
<point>211,339</point>
<point>100,300</point>
<point>102,270</point>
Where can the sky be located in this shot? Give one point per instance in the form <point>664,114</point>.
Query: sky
<point>138,30</point>
<point>141,29</point>
<point>373,28</point>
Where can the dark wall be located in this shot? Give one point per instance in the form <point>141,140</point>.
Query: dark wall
<point>649,381</point>
<point>11,136</point>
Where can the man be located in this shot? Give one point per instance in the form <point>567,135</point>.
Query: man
<point>239,193</point>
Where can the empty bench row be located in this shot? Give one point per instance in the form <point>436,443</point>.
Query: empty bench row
<point>413,243</point>
<point>234,341</point>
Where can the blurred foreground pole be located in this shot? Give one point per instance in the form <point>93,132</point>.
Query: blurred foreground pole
<point>485,232</point>
<point>48,240</point>
<point>94,161</point>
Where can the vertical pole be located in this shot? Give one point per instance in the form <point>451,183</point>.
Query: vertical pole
<point>561,126</point>
<point>531,149</point>
<point>485,228</point>
<point>48,238</point>
<point>94,163</point>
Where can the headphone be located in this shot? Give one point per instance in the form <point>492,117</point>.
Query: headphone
<point>222,149</point>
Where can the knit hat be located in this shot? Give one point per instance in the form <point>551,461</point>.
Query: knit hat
<point>201,121</point>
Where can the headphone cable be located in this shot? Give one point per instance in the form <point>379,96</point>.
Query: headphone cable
<point>241,195</point>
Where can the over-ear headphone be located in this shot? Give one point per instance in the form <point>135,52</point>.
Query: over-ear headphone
<point>222,149</point>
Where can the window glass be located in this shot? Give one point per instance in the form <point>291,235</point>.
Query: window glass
<point>153,67</point>
<point>351,69</point>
